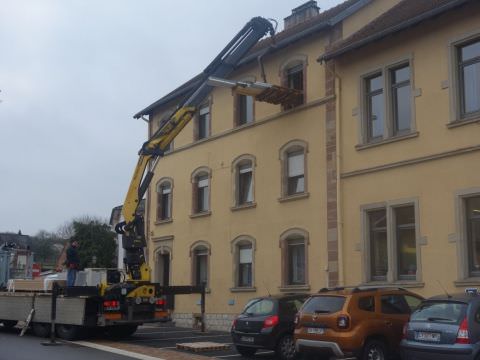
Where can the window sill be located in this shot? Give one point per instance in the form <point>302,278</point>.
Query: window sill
<point>473,281</point>
<point>243,206</point>
<point>161,222</point>
<point>294,197</point>
<point>387,141</point>
<point>294,288</point>
<point>466,121</point>
<point>243,289</point>
<point>200,214</point>
<point>401,283</point>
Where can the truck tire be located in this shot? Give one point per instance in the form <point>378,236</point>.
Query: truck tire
<point>120,331</point>
<point>8,324</point>
<point>69,332</point>
<point>41,329</point>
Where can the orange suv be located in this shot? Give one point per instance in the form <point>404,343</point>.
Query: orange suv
<point>365,322</point>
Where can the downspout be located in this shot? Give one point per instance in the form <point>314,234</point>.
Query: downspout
<point>147,208</point>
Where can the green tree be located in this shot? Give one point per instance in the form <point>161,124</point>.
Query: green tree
<point>46,247</point>
<point>97,247</point>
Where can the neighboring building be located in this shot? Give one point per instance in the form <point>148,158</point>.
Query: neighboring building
<point>409,147</point>
<point>17,241</point>
<point>371,178</point>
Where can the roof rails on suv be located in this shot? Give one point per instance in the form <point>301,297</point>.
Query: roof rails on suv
<point>357,289</point>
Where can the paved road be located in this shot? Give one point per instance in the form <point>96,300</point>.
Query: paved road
<point>13,347</point>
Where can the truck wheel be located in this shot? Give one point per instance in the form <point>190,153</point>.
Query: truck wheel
<point>41,329</point>
<point>8,324</point>
<point>375,350</point>
<point>120,331</point>
<point>69,332</point>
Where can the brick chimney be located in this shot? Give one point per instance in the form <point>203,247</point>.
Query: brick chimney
<point>301,14</point>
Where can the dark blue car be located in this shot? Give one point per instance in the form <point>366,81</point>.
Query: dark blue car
<point>444,327</point>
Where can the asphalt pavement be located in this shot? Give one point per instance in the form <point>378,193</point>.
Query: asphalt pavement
<point>29,347</point>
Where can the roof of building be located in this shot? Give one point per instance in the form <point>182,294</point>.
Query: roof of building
<point>322,21</point>
<point>405,14</point>
<point>22,241</point>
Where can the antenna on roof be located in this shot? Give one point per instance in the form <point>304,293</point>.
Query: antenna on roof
<point>444,290</point>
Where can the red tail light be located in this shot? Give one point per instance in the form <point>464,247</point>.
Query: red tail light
<point>462,335</point>
<point>111,305</point>
<point>343,322</point>
<point>160,302</point>
<point>271,321</point>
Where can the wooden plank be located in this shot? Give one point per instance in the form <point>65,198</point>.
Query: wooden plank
<point>202,346</point>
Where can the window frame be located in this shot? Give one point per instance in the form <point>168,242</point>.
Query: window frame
<point>202,171</point>
<point>289,64</point>
<point>389,131</point>
<point>393,275</point>
<point>158,219</point>
<point>197,246</point>
<point>292,146</point>
<point>457,114</point>
<point>285,239</point>
<point>235,246</point>
<point>235,169</point>
<point>206,105</point>
<point>238,111</point>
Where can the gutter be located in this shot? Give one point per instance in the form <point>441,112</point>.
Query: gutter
<point>393,29</point>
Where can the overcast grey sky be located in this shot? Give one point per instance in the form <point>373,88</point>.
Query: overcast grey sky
<point>72,74</point>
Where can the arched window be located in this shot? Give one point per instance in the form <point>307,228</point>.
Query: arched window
<point>164,199</point>
<point>293,75</point>
<point>201,190</point>
<point>294,165</point>
<point>243,170</point>
<point>294,244</point>
<point>243,248</point>
<point>200,254</point>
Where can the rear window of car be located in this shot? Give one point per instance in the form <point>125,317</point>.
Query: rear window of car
<point>324,304</point>
<point>448,312</point>
<point>259,307</point>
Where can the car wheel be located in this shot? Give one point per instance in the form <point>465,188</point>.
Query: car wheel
<point>41,329</point>
<point>246,351</point>
<point>8,324</point>
<point>285,349</point>
<point>375,350</point>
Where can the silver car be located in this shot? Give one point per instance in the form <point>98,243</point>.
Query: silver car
<point>444,327</point>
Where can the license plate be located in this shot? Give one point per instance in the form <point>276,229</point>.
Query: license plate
<point>316,331</point>
<point>247,339</point>
<point>427,336</point>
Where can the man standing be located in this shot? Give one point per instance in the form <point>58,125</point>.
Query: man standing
<point>73,262</point>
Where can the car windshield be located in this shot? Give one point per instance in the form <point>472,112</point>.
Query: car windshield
<point>323,304</point>
<point>440,311</point>
<point>259,307</point>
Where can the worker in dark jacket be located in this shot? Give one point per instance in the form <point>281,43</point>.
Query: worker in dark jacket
<point>73,263</point>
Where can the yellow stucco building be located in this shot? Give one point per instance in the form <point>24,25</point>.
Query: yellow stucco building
<point>371,178</point>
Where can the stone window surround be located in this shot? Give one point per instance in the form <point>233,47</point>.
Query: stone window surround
<point>384,69</point>
<point>389,206</point>
<point>290,62</point>
<point>283,245</point>
<point>460,237</point>
<point>236,115</point>
<point>193,247</point>
<point>159,183</point>
<point>234,249</point>
<point>235,189</point>
<point>202,170</point>
<point>456,118</point>
<point>163,245</point>
<point>292,145</point>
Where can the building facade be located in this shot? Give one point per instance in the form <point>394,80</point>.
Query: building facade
<point>370,178</point>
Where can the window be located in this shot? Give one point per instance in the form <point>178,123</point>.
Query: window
<point>203,123</point>
<point>367,303</point>
<point>245,184</point>
<point>292,157</point>
<point>472,205</point>
<point>294,79</point>
<point>201,191</point>
<point>245,260</point>
<point>164,200</point>
<point>392,227</point>
<point>293,244</point>
<point>468,74</point>
<point>244,110</point>
<point>200,261</point>
<point>394,304</point>
<point>388,103</point>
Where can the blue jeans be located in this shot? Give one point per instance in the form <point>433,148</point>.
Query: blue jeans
<point>71,276</point>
